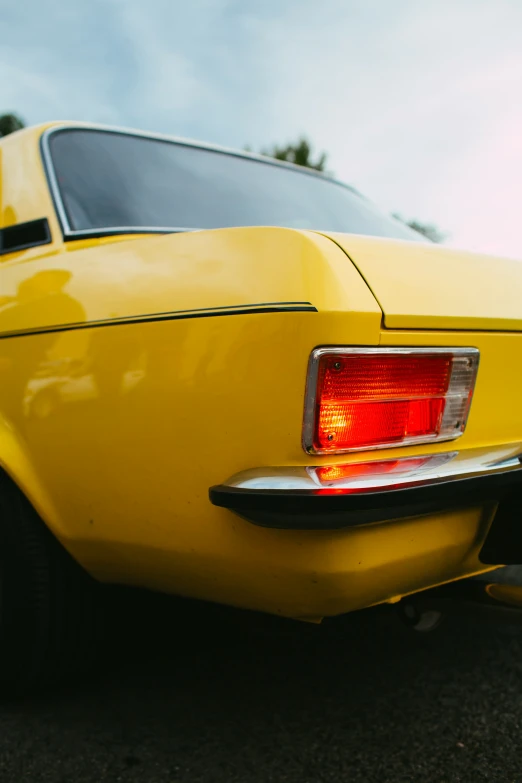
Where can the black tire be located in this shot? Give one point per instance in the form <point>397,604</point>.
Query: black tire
<point>49,608</point>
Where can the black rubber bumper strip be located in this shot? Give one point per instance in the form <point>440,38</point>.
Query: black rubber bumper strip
<point>327,509</point>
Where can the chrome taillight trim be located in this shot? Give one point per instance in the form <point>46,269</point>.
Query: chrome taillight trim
<point>445,466</point>
<point>311,392</point>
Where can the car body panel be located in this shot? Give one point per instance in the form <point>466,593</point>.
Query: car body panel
<point>136,372</point>
<point>24,191</point>
<point>425,286</point>
<point>127,473</point>
<point>183,273</point>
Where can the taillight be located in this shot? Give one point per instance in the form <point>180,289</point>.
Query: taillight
<point>363,398</point>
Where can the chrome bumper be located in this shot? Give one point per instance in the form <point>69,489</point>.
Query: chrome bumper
<point>303,497</point>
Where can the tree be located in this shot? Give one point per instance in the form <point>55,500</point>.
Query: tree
<point>9,123</point>
<point>300,154</point>
<point>426,229</point>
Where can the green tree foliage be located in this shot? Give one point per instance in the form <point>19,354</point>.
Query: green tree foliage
<point>426,229</point>
<point>9,123</point>
<point>300,154</point>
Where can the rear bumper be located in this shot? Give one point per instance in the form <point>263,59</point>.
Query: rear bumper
<point>297,498</point>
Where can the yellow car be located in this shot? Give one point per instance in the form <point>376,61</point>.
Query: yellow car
<point>229,378</point>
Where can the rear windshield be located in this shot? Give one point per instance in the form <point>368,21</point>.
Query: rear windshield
<point>112,181</point>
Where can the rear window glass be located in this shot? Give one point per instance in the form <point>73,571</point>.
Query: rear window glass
<point>111,180</point>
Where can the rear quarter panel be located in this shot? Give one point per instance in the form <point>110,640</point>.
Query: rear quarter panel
<point>122,420</point>
<point>129,392</point>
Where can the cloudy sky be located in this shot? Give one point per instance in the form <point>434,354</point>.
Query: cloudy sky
<point>418,103</point>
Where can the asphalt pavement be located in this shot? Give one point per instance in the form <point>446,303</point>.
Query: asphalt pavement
<point>202,695</point>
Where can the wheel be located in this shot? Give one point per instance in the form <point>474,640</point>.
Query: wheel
<point>49,607</point>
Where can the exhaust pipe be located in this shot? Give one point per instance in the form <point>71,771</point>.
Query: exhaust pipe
<point>495,598</point>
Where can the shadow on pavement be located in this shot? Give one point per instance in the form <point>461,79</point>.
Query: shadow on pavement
<point>197,693</point>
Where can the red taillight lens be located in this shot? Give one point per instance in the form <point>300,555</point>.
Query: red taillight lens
<point>368,398</point>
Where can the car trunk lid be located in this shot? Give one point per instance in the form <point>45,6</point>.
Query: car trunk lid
<point>425,286</point>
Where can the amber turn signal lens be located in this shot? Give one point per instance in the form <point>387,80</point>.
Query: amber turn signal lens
<point>371,398</point>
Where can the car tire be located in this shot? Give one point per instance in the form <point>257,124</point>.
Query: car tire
<point>49,608</point>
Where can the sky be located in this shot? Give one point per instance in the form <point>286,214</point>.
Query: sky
<point>418,103</point>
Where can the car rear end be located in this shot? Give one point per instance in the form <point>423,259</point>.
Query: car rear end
<point>411,474</point>
<point>351,402</point>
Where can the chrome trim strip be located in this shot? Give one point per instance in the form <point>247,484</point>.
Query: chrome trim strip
<point>510,462</point>
<point>449,466</point>
<point>53,183</point>
<point>203,145</point>
<point>311,391</point>
<point>89,232</point>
